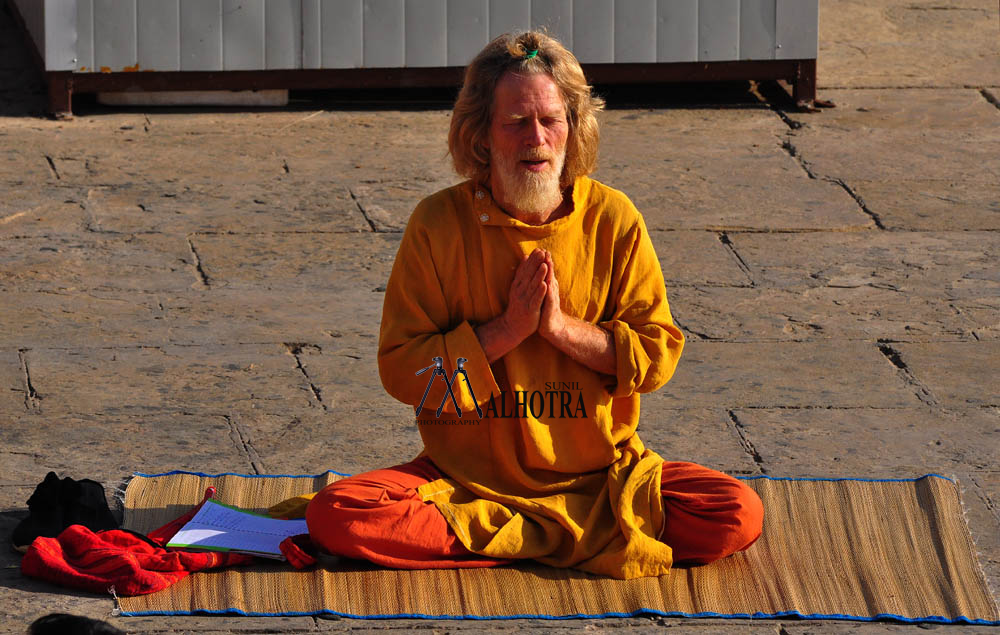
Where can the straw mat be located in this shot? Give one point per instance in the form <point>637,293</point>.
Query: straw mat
<point>831,548</point>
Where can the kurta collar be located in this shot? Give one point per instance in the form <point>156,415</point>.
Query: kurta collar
<point>488,213</point>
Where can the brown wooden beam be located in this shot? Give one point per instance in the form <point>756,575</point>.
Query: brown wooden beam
<point>298,79</point>
<point>306,79</point>
<point>62,85</point>
<point>691,72</point>
<point>804,88</point>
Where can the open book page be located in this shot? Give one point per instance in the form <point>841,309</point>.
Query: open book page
<point>218,527</point>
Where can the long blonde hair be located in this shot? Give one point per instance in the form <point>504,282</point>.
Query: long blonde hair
<point>512,52</point>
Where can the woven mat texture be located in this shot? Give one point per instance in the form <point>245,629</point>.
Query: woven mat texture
<point>830,548</point>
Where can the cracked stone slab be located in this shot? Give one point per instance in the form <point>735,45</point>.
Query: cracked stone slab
<point>128,153</point>
<point>926,264</point>
<point>21,474</point>
<point>89,319</point>
<point>697,257</point>
<point>956,373</point>
<point>275,205</point>
<point>30,210</point>
<point>981,498</point>
<point>12,389</point>
<point>23,600</point>
<point>388,203</point>
<point>902,43</point>
<point>755,118</point>
<point>190,147</point>
<point>390,160</point>
<point>876,628</point>
<point>235,316</point>
<point>146,381</point>
<point>932,205</point>
<point>700,435</point>
<point>71,262</point>
<point>361,139</point>
<point>786,374</point>
<point>359,427</point>
<point>10,559</point>
<point>326,263</point>
<point>19,166</point>
<point>266,127</point>
<point>346,371</point>
<point>74,168</point>
<point>359,437</point>
<point>683,178</point>
<point>985,313</point>
<point>969,156</point>
<point>916,197</point>
<point>858,313</point>
<point>872,442</point>
<point>370,143</point>
<point>109,448</point>
<point>904,110</point>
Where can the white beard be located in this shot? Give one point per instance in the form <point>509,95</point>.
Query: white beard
<point>532,193</point>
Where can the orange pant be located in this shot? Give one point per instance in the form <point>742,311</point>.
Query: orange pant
<point>379,516</point>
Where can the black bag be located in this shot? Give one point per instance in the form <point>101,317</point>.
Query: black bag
<point>57,504</point>
<point>65,624</point>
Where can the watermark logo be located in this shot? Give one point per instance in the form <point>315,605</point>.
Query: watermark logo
<point>557,397</point>
<point>438,367</point>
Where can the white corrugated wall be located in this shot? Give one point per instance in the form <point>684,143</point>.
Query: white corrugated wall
<point>213,35</point>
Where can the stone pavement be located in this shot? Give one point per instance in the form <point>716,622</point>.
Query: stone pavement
<point>185,289</point>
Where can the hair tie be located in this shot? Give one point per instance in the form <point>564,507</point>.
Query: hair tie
<point>531,54</point>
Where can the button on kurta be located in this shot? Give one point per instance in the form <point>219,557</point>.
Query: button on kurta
<point>480,194</point>
<point>484,217</point>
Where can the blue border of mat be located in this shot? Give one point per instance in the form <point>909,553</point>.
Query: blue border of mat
<point>933,619</point>
<point>172,472</point>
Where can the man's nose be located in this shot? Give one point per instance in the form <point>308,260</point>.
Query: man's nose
<point>536,134</point>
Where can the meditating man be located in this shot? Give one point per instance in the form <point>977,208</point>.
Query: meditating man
<point>546,283</point>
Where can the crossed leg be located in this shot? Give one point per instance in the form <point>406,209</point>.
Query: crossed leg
<point>379,516</point>
<point>708,515</point>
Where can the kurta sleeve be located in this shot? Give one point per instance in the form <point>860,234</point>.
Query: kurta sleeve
<point>647,344</point>
<point>418,324</point>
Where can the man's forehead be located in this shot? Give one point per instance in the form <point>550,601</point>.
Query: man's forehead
<point>517,93</point>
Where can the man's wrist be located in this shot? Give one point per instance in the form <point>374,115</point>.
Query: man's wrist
<point>509,332</point>
<point>554,332</point>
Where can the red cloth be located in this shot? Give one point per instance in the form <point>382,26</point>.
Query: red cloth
<point>299,551</point>
<point>379,516</point>
<point>81,559</point>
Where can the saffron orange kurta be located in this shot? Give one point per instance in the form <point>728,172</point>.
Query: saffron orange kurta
<point>569,491</point>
